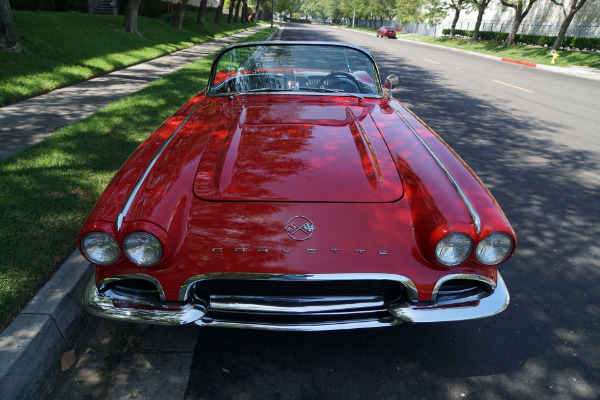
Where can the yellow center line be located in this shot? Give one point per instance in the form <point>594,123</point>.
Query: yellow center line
<point>512,86</point>
<point>389,48</point>
<point>434,62</point>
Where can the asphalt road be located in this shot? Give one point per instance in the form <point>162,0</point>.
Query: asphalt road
<point>533,138</point>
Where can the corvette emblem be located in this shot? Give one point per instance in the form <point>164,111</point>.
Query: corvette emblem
<point>299,228</point>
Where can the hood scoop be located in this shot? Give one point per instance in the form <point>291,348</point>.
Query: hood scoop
<point>299,153</point>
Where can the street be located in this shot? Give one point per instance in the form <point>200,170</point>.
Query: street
<point>532,138</point>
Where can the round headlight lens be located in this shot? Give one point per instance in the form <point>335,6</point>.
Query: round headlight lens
<point>142,248</point>
<point>454,249</point>
<point>494,248</point>
<point>100,248</point>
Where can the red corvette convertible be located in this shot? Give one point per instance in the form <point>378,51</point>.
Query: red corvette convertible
<point>294,193</point>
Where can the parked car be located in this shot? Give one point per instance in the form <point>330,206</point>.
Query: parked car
<point>294,193</point>
<point>386,31</point>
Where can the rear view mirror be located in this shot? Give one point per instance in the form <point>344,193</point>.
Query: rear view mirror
<point>391,82</point>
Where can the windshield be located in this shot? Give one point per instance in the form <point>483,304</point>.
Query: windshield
<point>291,67</point>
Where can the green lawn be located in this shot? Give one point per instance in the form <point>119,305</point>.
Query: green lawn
<point>47,190</point>
<point>72,47</point>
<point>532,54</point>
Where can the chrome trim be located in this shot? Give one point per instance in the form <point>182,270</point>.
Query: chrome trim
<point>101,285</point>
<point>302,327</point>
<point>471,277</point>
<point>485,307</point>
<point>308,304</point>
<point>461,193</point>
<point>109,305</point>
<point>139,183</point>
<point>412,292</point>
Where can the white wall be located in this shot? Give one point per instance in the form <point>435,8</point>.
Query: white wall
<point>543,19</point>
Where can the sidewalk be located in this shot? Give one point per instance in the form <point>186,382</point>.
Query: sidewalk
<point>30,121</point>
<point>32,346</point>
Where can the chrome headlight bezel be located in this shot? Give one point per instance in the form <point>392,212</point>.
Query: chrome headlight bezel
<point>142,248</point>
<point>105,245</point>
<point>499,243</point>
<point>454,249</point>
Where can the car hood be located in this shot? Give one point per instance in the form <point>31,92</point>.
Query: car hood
<point>301,152</point>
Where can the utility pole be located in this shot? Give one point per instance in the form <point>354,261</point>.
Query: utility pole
<point>353,17</point>
<point>272,11</point>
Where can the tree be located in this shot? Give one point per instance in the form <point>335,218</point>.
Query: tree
<point>481,5</point>
<point>237,11</point>
<point>179,14</point>
<point>569,13</point>
<point>409,11</point>
<point>201,12</point>
<point>457,6</point>
<point>219,12</point>
<point>131,16</point>
<point>522,8</point>
<point>8,33</point>
<point>231,7</point>
<point>244,11</point>
<point>256,10</point>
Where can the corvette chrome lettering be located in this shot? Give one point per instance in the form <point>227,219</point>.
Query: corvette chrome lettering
<point>287,251</point>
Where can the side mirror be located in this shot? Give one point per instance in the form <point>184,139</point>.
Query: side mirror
<point>391,82</point>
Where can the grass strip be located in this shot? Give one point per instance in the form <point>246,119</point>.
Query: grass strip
<point>71,47</point>
<point>531,54</point>
<point>48,190</point>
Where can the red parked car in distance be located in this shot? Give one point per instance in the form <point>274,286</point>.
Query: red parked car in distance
<point>294,193</point>
<point>386,31</point>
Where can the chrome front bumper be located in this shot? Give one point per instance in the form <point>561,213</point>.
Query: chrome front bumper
<point>334,313</point>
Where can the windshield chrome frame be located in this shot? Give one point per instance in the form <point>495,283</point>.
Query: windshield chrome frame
<point>213,71</point>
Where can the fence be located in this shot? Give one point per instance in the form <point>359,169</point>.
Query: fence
<point>497,26</point>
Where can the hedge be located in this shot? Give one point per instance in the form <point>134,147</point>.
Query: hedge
<point>582,43</point>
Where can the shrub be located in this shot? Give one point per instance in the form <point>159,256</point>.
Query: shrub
<point>581,43</point>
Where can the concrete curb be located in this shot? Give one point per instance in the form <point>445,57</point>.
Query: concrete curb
<point>32,346</point>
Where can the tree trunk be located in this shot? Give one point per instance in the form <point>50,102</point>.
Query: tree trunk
<point>201,13</point>
<point>8,33</point>
<point>219,13</point>
<point>563,30</point>
<point>131,17</point>
<point>454,22</point>
<point>237,11</point>
<point>179,14</point>
<point>256,11</point>
<point>231,8</point>
<point>481,10</point>
<point>575,6</point>
<point>514,28</point>
<point>244,11</point>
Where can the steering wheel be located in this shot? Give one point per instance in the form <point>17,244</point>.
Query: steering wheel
<point>342,75</point>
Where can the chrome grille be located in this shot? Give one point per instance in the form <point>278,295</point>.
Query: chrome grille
<point>286,302</point>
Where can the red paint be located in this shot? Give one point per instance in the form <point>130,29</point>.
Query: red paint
<point>386,31</point>
<point>527,64</point>
<point>237,170</point>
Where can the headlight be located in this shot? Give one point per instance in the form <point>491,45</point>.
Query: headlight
<point>454,249</point>
<point>100,248</point>
<point>142,248</point>
<point>494,248</point>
